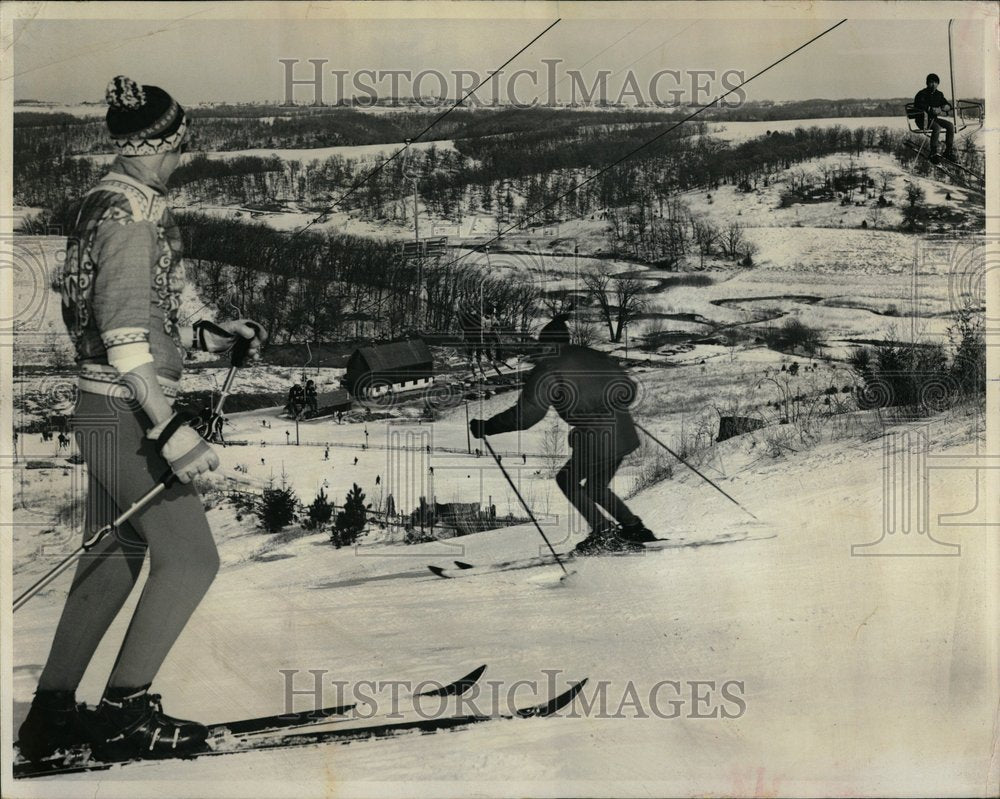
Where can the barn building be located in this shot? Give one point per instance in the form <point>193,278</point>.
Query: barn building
<point>389,368</point>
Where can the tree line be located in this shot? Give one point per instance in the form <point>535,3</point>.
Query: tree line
<point>329,286</point>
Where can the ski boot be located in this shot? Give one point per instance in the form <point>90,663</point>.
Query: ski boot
<point>636,533</point>
<point>135,726</point>
<point>605,540</point>
<point>55,722</point>
<point>934,158</point>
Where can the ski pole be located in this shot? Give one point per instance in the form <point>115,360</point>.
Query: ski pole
<point>90,542</point>
<point>525,504</point>
<point>703,477</point>
<point>211,428</point>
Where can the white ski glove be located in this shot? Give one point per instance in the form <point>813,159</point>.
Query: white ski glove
<point>180,445</point>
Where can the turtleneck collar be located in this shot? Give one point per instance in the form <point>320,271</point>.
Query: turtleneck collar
<point>137,170</point>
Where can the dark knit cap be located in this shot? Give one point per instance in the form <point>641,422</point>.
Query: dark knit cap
<point>932,77</point>
<point>143,120</point>
<point>555,332</point>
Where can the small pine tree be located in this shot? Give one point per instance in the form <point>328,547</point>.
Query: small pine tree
<point>320,512</point>
<point>276,509</point>
<point>351,520</point>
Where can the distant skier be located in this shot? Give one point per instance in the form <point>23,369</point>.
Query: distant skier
<point>481,335</point>
<point>934,106</point>
<point>121,287</point>
<point>296,400</point>
<point>591,393</point>
<point>311,398</point>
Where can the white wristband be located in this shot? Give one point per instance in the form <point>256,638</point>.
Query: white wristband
<point>127,357</point>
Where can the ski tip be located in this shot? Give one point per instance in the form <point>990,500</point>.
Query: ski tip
<point>459,686</point>
<point>553,705</point>
<point>437,570</point>
<point>462,565</point>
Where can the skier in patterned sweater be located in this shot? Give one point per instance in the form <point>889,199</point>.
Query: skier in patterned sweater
<point>591,393</point>
<point>120,286</point>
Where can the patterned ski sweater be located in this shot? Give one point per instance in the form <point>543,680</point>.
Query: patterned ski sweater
<point>122,278</point>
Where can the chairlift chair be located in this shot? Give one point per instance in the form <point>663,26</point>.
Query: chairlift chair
<point>965,113</point>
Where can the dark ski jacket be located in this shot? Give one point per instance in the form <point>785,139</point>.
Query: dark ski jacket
<point>926,99</point>
<point>588,390</point>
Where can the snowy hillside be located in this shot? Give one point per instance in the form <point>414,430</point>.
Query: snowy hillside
<point>818,649</point>
<point>836,655</point>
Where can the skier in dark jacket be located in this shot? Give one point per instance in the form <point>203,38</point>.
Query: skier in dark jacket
<point>934,106</point>
<point>311,397</point>
<point>296,400</point>
<point>590,393</point>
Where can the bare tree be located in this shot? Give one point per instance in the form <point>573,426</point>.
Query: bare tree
<point>583,332</point>
<point>598,287</point>
<point>627,293</point>
<point>556,302</point>
<point>747,250</point>
<point>884,179</point>
<point>732,239</point>
<point>875,214</point>
<point>797,179</point>
<point>554,444</point>
<point>705,235</point>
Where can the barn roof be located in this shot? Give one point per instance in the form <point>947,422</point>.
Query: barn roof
<point>400,354</point>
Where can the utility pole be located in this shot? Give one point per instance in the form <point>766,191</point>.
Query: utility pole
<point>489,270</point>
<point>412,175</point>
<point>951,77</point>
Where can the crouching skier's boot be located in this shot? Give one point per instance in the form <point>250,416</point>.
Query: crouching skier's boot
<point>130,723</point>
<point>636,532</point>
<point>55,722</point>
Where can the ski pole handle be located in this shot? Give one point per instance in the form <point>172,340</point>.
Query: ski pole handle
<point>242,345</point>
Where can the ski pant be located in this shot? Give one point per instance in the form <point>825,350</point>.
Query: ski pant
<point>586,478</point>
<point>937,125</point>
<point>122,465</point>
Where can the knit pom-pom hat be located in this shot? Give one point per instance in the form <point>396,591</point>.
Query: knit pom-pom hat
<point>143,120</point>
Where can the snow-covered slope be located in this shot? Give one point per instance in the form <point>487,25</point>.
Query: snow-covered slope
<point>847,666</point>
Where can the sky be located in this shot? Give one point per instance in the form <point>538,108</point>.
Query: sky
<point>198,60</point>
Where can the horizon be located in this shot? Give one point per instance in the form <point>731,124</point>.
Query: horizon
<point>836,67</point>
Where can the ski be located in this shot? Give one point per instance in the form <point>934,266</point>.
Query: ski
<point>265,724</point>
<point>471,570</point>
<point>948,161</point>
<point>461,569</point>
<point>259,726</point>
<point>343,733</point>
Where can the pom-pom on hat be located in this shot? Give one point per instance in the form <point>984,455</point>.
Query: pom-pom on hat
<point>143,120</point>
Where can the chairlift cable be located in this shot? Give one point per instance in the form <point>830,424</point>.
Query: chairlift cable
<point>645,144</point>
